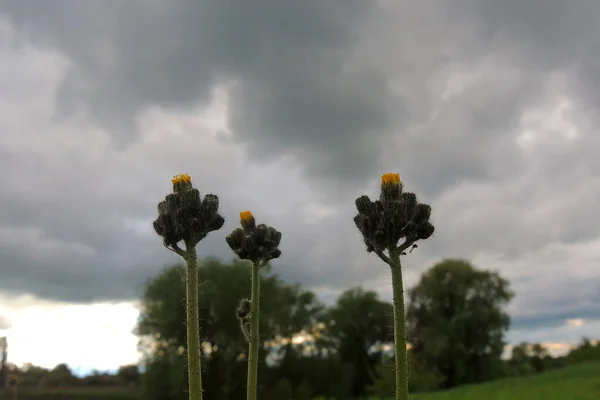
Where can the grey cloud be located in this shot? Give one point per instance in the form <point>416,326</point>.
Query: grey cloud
<point>300,90</point>
<point>437,91</point>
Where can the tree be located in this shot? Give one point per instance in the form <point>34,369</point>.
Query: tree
<point>61,375</point>
<point>585,351</point>
<point>357,327</point>
<point>456,322</point>
<point>285,311</point>
<point>325,374</point>
<point>520,359</point>
<point>129,374</point>
<point>32,375</point>
<point>539,357</point>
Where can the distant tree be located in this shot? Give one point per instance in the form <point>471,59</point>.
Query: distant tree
<point>162,378</point>
<point>539,357</point>
<point>60,375</point>
<point>31,375</point>
<point>456,322</point>
<point>358,325</point>
<point>129,374</point>
<point>520,360</point>
<point>326,374</point>
<point>285,311</point>
<point>587,350</point>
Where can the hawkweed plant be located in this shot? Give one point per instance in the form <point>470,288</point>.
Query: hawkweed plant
<point>259,245</point>
<point>383,224</point>
<point>184,217</point>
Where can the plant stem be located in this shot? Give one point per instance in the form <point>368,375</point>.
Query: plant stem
<point>253,353</point>
<point>193,326</point>
<point>399,328</point>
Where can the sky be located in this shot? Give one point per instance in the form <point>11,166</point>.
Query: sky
<point>489,110</point>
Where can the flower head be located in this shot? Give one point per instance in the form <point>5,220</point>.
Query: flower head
<point>246,215</point>
<point>255,243</point>
<point>181,182</point>
<point>183,215</point>
<point>181,178</point>
<point>247,220</point>
<point>391,187</point>
<point>394,216</point>
<point>390,178</point>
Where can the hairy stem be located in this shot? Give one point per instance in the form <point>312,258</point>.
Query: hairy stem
<point>253,353</point>
<point>193,330</point>
<point>399,327</point>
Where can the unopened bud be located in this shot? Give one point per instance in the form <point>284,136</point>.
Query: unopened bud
<point>243,309</point>
<point>210,205</point>
<point>247,220</point>
<point>422,212</point>
<point>364,205</point>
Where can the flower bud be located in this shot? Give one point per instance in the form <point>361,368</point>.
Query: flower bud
<point>422,212</point>
<point>390,187</point>
<point>159,227</point>
<point>254,243</point>
<point>163,208</point>
<point>364,205</point>
<point>181,183</point>
<point>394,216</point>
<point>210,205</point>
<point>235,238</point>
<point>275,236</point>
<point>216,223</point>
<point>247,221</point>
<point>425,230</point>
<point>276,253</point>
<point>408,203</point>
<point>184,216</point>
<point>249,243</point>
<point>261,233</point>
<point>243,309</point>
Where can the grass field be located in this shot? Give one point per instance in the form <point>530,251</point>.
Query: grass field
<point>578,382</point>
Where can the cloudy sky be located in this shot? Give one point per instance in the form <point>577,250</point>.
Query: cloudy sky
<point>489,110</point>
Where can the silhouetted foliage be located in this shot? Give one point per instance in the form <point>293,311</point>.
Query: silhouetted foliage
<point>357,327</point>
<point>587,350</point>
<point>456,322</point>
<point>285,311</point>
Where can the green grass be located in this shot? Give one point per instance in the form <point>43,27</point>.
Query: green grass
<point>578,382</point>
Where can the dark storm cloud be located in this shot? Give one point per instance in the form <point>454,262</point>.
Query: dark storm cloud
<point>299,88</point>
<point>313,79</point>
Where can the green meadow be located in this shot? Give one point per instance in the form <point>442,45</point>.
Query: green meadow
<point>576,382</point>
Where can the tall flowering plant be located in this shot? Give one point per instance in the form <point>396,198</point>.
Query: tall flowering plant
<point>389,227</point>
<point>259,245</point>
<point>184,217</point>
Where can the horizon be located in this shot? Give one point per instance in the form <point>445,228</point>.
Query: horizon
<point>513,337</point>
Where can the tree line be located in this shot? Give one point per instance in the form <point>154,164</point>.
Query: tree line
<point>456,326</point>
